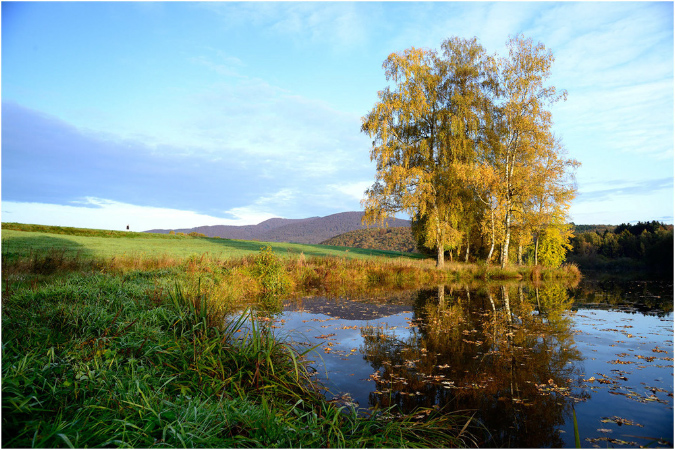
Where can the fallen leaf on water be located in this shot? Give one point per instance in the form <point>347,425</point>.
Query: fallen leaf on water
<point>610,440</point>
<point>620,421</point>
<point>324,336</point>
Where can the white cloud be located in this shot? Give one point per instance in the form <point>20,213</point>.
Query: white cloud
<point>354,190</point>
<point>111,215</point>
<point>614,201</point>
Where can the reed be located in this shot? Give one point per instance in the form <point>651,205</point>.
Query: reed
<point>148,358</point>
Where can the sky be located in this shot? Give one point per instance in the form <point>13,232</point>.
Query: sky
<point>181,114</point>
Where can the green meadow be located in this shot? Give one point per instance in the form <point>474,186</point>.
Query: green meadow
<point>20,240</point>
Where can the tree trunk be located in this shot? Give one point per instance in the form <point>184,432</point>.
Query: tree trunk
<point>440,239</point>
<point>468,242</point>
<point>536,250</point>
<point>507,235</point>
<point>510,164</point>
<point>520,254</point>
<point>492,238</point>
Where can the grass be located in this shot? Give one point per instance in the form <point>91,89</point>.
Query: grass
<point>136,350</point>
<point>102,360</point>
<point>106,244</point>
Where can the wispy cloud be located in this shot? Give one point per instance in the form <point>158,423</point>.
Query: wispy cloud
<point>336,26</point>
<point>623,187</point>
<point>222,64</point>
<point>93,212</point>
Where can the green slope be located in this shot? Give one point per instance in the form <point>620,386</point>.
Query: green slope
<point>22,240</point>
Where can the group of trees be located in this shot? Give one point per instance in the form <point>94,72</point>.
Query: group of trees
<point>646,243</point>
<point>398,239</point>
<point>463,144</point>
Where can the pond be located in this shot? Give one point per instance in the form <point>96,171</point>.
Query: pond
<point>525,359</point>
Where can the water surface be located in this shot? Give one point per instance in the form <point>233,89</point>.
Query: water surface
<point>522,357</point>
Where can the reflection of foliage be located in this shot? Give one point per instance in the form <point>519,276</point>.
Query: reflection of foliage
<point>552,301</point>
<point>488,351</point>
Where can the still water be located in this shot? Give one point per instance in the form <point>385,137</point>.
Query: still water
<point>523,358</point>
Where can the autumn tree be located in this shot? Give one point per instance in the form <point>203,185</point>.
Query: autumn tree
<point>552,192</point>
<point>463,142</point>
<point>424,132</point>
<point>521,126</point>
<point>554,242</point>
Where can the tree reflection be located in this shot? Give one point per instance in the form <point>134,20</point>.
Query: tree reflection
<point>505,351</point>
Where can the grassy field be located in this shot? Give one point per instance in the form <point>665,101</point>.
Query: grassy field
<point>21,240</point>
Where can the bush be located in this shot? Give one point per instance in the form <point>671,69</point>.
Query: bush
<point>271,272</point>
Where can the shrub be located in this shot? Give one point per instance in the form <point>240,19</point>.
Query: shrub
<point>271,273</point>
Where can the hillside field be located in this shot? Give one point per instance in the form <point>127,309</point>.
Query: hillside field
<point>20,240</point>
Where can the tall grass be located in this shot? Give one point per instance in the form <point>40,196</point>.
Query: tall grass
<point>138,358</point>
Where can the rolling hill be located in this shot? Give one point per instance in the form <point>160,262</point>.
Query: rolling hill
<point>399,239</point>
<point>312,230</point>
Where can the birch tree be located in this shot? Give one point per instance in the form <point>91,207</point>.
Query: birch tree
<point>523,125</point>
<point>463,138</point>
<point>424,132</point>
<point>552,194</point>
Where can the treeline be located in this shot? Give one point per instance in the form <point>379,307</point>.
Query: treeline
<point>643,246</point>
<point>399,239</point>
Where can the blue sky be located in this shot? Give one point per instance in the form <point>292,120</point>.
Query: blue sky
<point>180,114</point>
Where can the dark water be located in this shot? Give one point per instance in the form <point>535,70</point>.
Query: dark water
<point>522,357</point>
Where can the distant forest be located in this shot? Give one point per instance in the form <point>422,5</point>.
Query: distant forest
<point>643,246</point>
<point>398,239</point>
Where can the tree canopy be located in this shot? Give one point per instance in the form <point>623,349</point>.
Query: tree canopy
<point>463,144</point>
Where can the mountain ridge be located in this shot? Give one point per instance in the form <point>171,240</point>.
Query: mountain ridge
<point>311,230</point>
